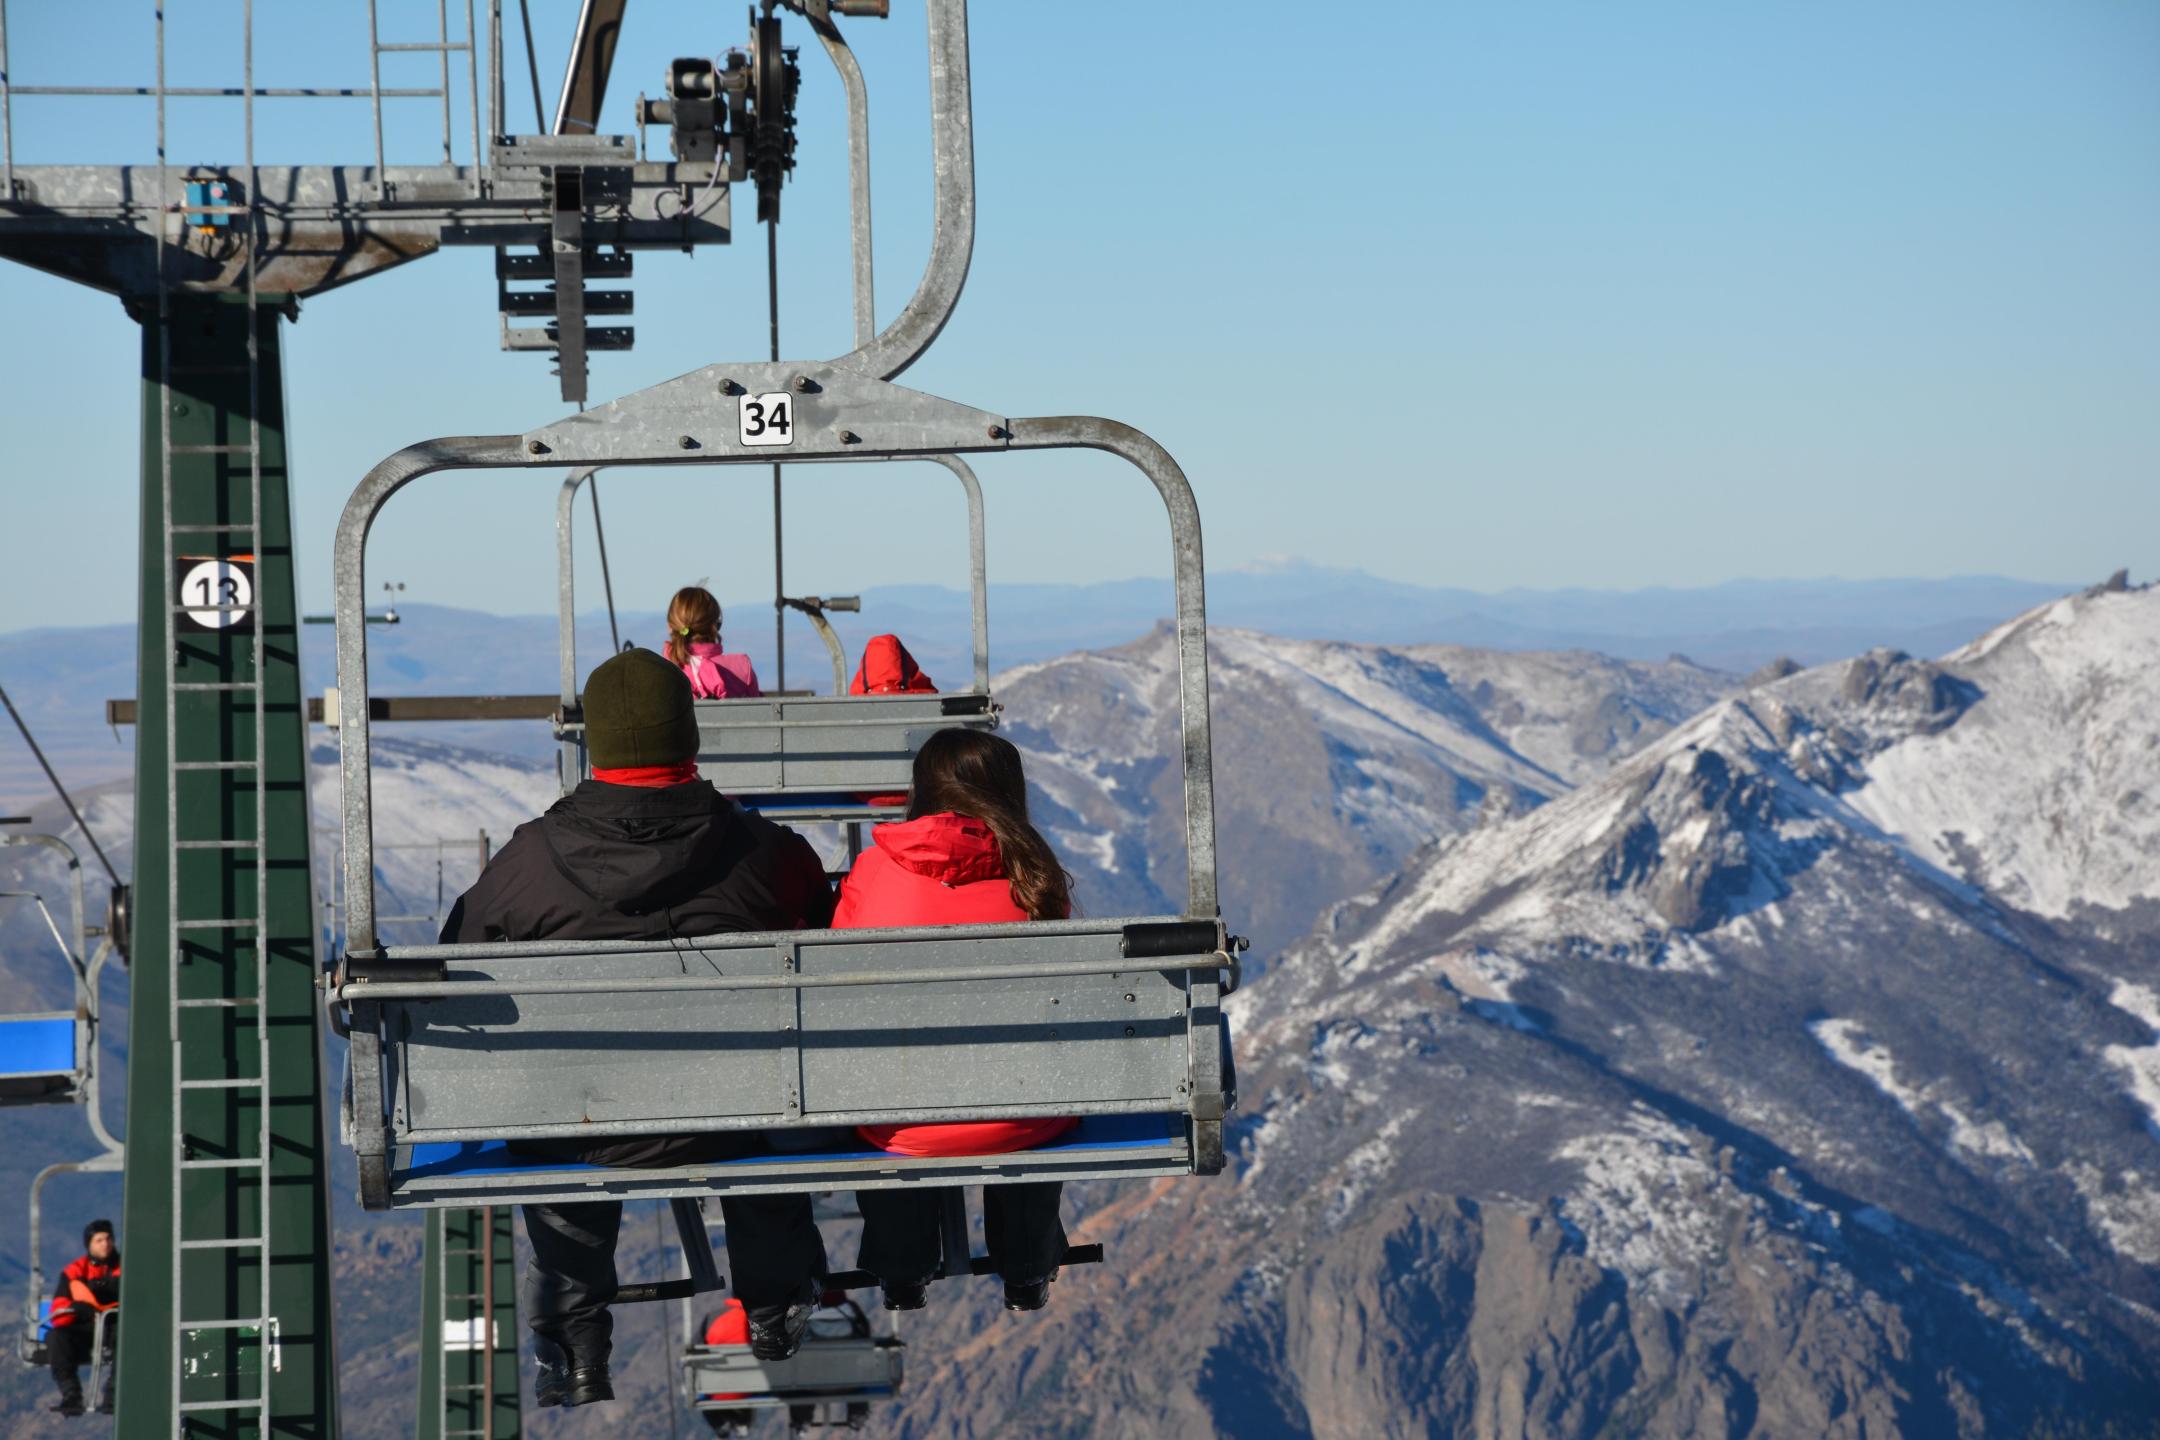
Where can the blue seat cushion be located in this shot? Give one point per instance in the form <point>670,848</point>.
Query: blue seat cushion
<point>37,1045</point>
<point>779,804</point>
<point>495,1157</point>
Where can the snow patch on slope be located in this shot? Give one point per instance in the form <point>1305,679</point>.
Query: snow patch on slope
<point>1640,1204</point>
<point>2140,1062</point>
<point>2075,685</point>
<point>1848,1043</point>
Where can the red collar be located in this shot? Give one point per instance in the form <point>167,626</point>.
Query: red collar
<point>650,777</point>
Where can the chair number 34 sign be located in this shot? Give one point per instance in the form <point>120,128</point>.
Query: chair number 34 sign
<point>766,419</point>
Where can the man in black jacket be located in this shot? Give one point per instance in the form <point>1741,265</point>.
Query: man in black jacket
<point>647,851</point>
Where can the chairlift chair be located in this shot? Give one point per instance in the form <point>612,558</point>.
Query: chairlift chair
<point>50,1057</point>
<point>457,1049</point>
<point>843,1368</point>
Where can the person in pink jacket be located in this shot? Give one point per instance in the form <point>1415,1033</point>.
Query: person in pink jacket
<point>693,642</point>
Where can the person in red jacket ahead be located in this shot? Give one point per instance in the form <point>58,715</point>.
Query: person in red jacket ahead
<point>90,1283</point>
<point>888,669</point>
<point>966,855</point>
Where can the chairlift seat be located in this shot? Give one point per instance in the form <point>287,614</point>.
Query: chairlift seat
<point>1111,1020</point>
<point>812,757</point>
<point>36,1345</point>
<point>450,1173</point>
<point>824,1371</point>
<point>38,1059</point>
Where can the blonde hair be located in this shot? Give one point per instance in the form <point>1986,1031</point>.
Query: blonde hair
<point>692,615</point>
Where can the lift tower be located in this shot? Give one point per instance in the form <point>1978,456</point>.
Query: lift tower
<point>226,1209</point>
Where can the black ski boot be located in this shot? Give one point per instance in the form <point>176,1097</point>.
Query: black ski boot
<point>776,1331</point>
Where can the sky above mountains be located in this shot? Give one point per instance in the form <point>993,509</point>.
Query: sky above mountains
<point>1554,294</point>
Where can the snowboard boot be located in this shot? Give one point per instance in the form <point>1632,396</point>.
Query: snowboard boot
<point>1026,1294</point>
<point>776,1331</point>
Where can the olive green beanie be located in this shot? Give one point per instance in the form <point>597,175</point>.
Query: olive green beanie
<point>638,712</point>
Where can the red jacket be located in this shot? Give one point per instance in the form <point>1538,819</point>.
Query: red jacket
<point>888,669</point>
<point>730,1327</point>
<point>939,870</point>
<point>83,1282</point>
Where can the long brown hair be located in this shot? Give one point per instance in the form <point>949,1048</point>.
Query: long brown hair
<point>692,615</point>
<point>972,773</point>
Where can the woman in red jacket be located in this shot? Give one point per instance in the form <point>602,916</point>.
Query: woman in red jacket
<point>966,855</point>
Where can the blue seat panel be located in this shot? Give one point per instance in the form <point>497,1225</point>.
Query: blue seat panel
<point>777,804</point>
<point>495,1157</point>
<point>37,1045</point>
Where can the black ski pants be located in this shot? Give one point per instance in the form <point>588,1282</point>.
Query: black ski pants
<point>902,1239</point>
<point>773,1246</point>
<point>68,1348</point>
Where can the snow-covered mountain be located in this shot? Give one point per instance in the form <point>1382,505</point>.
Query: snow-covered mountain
<point>1333,762</point>
<point>1766,1060</point>
<point>1755,1088</point>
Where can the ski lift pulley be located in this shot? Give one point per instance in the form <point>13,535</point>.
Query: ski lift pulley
<point>774,79</point>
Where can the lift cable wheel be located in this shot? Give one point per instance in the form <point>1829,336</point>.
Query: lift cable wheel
<point>776,77</point>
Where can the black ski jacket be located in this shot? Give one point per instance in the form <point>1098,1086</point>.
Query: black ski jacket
<point>624,862</point>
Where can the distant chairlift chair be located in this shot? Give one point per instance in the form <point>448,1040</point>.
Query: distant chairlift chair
<point>843,1369</point>
<point>456,1049</point>
<point>798,759</point>
<point>52,1059</point>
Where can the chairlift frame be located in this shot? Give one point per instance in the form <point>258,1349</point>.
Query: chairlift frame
<point>815,757</point>
<point>393,998</point>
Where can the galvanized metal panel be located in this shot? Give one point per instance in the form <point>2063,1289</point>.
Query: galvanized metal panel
<point>633,1051</point>
<point>1068,1040</point>
<point>497,1062</point>
<point>824,1371</point>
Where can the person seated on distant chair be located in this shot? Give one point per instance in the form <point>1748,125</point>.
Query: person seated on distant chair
<point>965,855</point>
<point>693,643</point>
<point>645,850</point>
<point>89,1285</point>
<point>888,669</point>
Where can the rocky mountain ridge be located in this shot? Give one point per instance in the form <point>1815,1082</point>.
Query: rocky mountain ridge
<point>1706,1099</point>
<point>1334,762</point>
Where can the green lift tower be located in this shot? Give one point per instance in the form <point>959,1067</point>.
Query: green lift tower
<point>228,1288</point>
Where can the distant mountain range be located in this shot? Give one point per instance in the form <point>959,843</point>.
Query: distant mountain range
<point>1678,1052</point>
<point>62,676</point>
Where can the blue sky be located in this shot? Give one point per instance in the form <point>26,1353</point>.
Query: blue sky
<point>1523,294</point>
